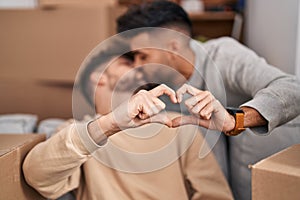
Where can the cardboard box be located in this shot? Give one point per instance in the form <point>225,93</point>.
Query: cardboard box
<point>278,176</point>
<point>41,52</point>
<point>74,2</point>
<point>13,149</point>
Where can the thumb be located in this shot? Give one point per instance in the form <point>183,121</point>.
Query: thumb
<point>161,118</point>
<point>184,120</point>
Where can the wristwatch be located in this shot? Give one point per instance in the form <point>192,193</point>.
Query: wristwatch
<point>238,115</point>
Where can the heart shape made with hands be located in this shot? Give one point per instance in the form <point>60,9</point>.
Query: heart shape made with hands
<point>205,110</point>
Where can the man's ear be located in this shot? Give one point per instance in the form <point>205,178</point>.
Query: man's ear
<point>98,78</point>
<point>174,46</point>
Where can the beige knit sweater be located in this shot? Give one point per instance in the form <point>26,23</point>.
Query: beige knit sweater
<point>172,171</point>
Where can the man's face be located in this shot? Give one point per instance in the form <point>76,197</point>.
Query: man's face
<point>145,53</point>
<point>157,64</point>
<point>150,55</point>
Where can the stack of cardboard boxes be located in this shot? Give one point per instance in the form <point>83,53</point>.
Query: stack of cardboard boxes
<point>42,50</point>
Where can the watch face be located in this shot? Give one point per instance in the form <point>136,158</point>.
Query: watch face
<point>239,111</point>
<point>232,110</point>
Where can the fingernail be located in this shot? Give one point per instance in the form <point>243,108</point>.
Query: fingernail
<point>178,99</point>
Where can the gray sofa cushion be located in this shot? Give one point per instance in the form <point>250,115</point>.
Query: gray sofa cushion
<point>49,126</point>
<point>218,144</point>
<point>17,123</point>
<point>249,148</point>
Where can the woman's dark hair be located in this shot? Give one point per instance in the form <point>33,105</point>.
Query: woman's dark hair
<point>154,14</point>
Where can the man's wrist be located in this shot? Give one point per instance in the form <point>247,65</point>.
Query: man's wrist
<point>237,115</point>
<point>253,118</point>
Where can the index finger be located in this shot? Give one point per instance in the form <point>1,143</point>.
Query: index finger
<point>163,89</point>
<point>186,89</point>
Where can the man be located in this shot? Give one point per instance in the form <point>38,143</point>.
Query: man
<point>263,97</point>
<point>80,158</point>
<point>219,73</point>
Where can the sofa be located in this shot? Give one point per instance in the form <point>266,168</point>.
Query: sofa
<point>234,154</point>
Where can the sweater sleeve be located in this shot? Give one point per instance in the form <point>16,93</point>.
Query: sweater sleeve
<point>205,179</point>
<point>53,167</point>
<point>275,94</point>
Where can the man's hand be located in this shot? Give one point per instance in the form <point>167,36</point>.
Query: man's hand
<point>143,107</point>
<point>205,110</point>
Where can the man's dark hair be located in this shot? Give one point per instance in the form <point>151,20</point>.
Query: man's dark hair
<point>116,48</point>
<point>154,14</point>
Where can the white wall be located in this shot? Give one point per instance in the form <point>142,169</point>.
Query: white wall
<point>298,46</point>
<point>18,4</point>
<point>272,29</point>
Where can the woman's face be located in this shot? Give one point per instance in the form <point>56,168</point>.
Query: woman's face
<point>121,80</point>
<point>122,76</point>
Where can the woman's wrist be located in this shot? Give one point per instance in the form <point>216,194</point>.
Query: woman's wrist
<point>108,125</point>
<point>102,128</point>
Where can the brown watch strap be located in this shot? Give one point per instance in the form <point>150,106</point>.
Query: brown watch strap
<point>239,125</point>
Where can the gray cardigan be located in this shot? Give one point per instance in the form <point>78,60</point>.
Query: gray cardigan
<point>237,76</point>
